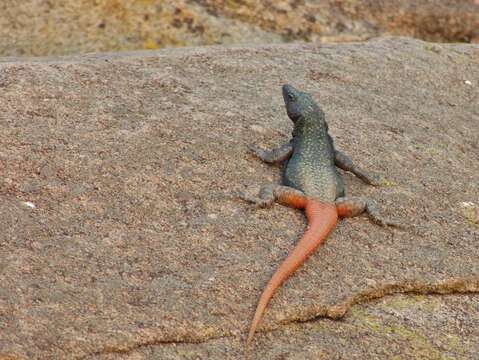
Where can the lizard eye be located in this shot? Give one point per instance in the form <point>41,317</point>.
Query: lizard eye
<point>291,97</point>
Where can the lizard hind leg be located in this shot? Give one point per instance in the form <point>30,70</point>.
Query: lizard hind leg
<point>353,206</point>
<point>290,197</point>
<point>283,194</point>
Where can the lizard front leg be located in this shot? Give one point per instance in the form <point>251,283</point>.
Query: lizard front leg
<point>283,194</point>
<point>353,206</point>
<point>273,156</point>
<point>342,161</point>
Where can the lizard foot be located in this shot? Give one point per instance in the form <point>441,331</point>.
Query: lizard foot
<point>349,207</point>
<point>259,201</point>
<point>256,150</point>
<point>272,156</point>
<point>374,180</point>
<point>373,214</point>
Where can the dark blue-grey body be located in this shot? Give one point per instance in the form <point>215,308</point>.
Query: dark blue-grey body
<point>311,167</point>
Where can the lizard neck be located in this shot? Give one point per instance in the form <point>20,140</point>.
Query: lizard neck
<point>307,128</point>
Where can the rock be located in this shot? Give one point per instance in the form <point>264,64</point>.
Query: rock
<point>134,265</point>
<point>31,27</point>
<point>471,212</point>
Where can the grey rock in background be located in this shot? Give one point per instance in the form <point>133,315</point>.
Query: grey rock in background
<point>40,27</point>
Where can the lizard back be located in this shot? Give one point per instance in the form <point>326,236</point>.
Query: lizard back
<point>311,167</point>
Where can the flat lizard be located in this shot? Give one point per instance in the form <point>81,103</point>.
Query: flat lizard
<point>311,182</point>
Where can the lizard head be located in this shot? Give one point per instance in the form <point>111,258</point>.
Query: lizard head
<point>299,104</point>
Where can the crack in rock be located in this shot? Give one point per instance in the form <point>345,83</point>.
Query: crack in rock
<point>335,312</point>
<point>338,311</point>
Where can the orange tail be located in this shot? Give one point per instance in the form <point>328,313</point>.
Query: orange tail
<point>322,220</point>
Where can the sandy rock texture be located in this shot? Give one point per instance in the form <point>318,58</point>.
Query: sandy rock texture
<point>122,235</point>
<point>46,27</point>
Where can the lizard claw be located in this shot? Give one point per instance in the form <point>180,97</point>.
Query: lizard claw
<point>257,201</point>
<point>263,203</point>
<point>376,180</point>
<point>243,196</point>
<point>388,222</point>
<point>254,149</point>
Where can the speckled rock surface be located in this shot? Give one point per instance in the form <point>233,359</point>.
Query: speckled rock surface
<point>41,27</point>
<point>122,236</point>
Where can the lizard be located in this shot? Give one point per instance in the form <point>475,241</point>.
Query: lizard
<point>311,182</point>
